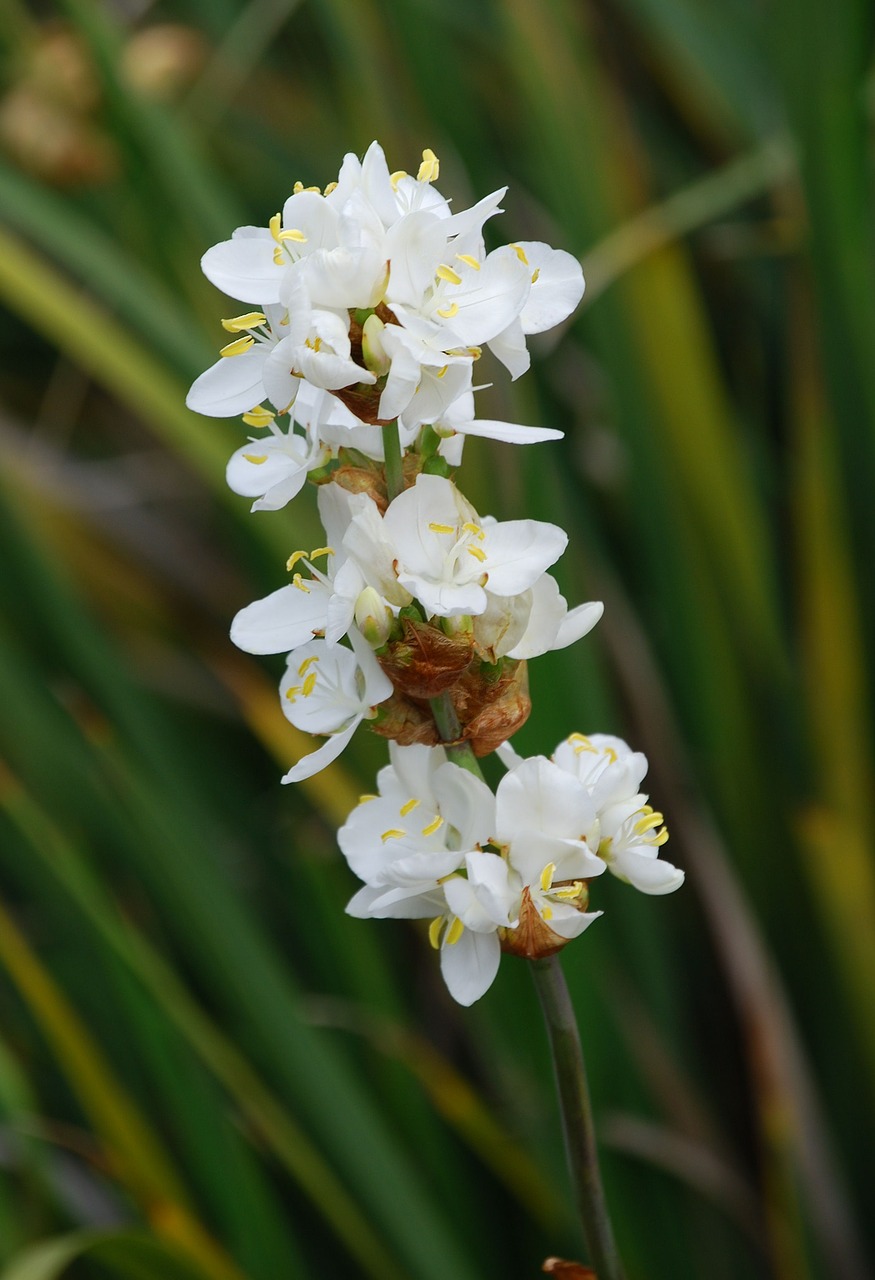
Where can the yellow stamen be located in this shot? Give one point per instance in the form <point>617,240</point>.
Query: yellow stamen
<point>429,170</point>
<point>237,324</point>
<point>569,892</point>
<point>292,692</point>
<point>455,932</point>
<point>433,826</point>
<point>475,352</point>
<point>647,823</point>
<point>292,234</point>
<point>332,186</point>
<point>434,932</point>
<point>441,528</point>
<point>470,527</point>
<point>258,417</point>
<point>408,807</point>
<point>238,346</point>
<point>478,553</point>
<point>447,273</point>
<point>294,558</point>
<point>441,372</point>
<point>321,551</point>
<point>660,837</point>
<point>468,260</point>
<point>307,663</point>
<point>547,876</point>
<point>255,458</point>
<point>450,311</point>
<point>275,224</point>
<point>535,274</point>
<point>309,684</point>
<point>299,582</point>
<point>394,833</point>
<point>278,256</point>
<point>396,177</point>
<point>297,188</point>
<point>546,913</point>
<point>365,798</point>
<point>520,253</point>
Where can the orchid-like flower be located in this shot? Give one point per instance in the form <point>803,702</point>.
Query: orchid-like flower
<point>330,691</point>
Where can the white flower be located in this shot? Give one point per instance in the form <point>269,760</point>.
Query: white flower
<point>235,384</point>
<point>446,558</point>
<point>330,691</point>
<point>632,835</point>
<point>272,469</point>
<point>533,622</point>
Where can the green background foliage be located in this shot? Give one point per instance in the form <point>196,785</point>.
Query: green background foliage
<point>207,1070</point>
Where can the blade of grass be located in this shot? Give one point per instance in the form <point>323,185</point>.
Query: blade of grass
<point>127,1253</point>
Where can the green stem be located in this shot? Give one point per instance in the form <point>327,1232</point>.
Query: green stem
<point>577,1124</point>
<point>449,729</point>
<point>394,465</point>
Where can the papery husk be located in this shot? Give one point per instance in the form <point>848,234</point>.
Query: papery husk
<point>405,722</point>
<point>491,711</point>
<point>533,939</point>
<point>362,480</point>
<point>425,661</point>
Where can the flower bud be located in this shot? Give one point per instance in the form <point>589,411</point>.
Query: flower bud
<point>373,351</point>
<point>373,617</point>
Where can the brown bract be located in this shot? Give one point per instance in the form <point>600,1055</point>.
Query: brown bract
<point>533,939</point>
<point>425,662</point>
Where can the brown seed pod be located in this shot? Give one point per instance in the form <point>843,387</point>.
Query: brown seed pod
<point>425,661</point>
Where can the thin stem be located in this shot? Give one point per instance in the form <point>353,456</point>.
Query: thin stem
<point>449,729</point>
<point>577,1124</point>
<point>393,463</point>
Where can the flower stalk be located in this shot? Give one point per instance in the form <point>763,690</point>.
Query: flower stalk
<point>576,1113</point>
<point>393,460</point>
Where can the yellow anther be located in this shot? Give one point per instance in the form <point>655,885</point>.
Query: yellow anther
<point>611,754</point>
<point>394,833</point>
<point>547,876</point>
<point>478,553</point>
<point>294,558</point>
<point>580,742</point>
<point>258,417</point>
<point>292,692</point>
<point>455,931</point>
<point>332,186</point>
<point>429,170</point>
<point>448,312</point>
<point>310,683</point>
<point>648,822</point>
<point>275,225</point>
<point>365,798</point>
<point>434,932</point>
<point>441,372</point>
<point>470,527</point>
<point>569,892</point>
<point>433,826</point>
<point>535,274</point>
<point>321,551</point>
<point>278,256</point>
<point>307,664</point>
<point>441,528</point>
<point>660,837</point>
<point>297,188</point>
<point>255,458</point>
<point>520,253</point>
<point>475,352</point>
<point>315,345</point>
<point>447,273</point>
<point>546,913</point>
<point>238,324</point>
<point>301,584</point>
<point>238,346</point>
<point>292,234</point>
<point>408,807</point>
<point>396,177</point>
<point>468,260</point>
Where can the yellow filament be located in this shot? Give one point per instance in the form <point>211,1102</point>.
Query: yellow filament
<point>547,875</point>
<point>255,458</point>
<point>434,932</point>
<point>441,528</point>
<point>237,324</point>
<point>309,684</point>
<point>520,253</point>
<point>478,553</point>
<point>408,807</point>
<point>307,663</point>
<point>455,931</point>
<point>238,346</point>
<point>394,833</point>
<point>429,170</point>
<point>433,826</point>
<point>468,260</point>
<point>447,273</point>
<point>450,311</point>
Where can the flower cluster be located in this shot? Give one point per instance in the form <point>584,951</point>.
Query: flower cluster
<point>373,303</point>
